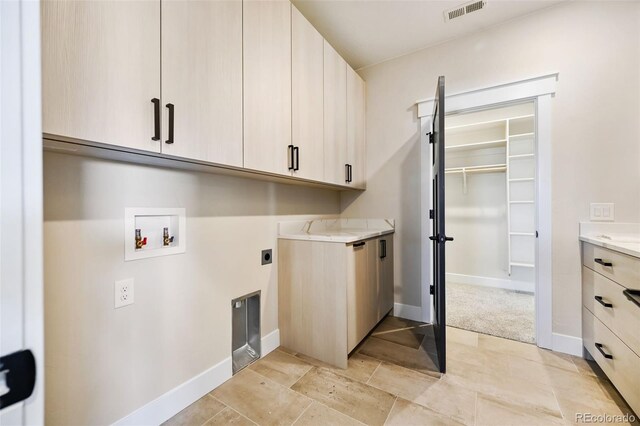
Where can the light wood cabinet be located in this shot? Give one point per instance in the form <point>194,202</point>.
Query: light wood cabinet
<point>335,116</point>
<point>202,79</point>
<point>355,129</point>
<point>267,85</point>
<point>100,71</point>
<point>331,295</point>
<point>307,97</point>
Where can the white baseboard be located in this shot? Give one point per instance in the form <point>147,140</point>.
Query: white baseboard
<point>492,282</point>
<point>410,312</point>
<point>566,344</point>
<point>172,402</point>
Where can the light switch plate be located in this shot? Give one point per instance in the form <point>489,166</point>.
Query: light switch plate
<point>123,293</point>
<point>602,212</point>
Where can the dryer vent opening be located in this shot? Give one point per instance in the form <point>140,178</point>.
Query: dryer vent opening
<point>245,324</point>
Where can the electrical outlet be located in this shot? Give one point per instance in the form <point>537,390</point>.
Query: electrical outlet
<point>123,293</point>
<point>267,257</point>
<point>603,212</point>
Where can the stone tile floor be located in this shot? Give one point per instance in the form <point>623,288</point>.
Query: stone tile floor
<point>391,379</point>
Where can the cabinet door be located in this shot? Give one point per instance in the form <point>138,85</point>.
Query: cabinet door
<point>335,116</point>
<point>307,97</point>
<point>385,275</point>
<point>356,128</point>
<point>267,85</point>
<point>202,79</point>
<point>100,70</point>
<point>362,290</point>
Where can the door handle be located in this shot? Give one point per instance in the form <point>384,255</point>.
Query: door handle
<point>346,173</point>
<point>171,108</point>
<point>602,262</point>
<point>602,302</point>
<point>291,159</point>
<point>440,238</point>
<point>360,244</point>
<point>296,150</point>
<point>156,119</point>
<point>383,249</point>
<point>604,354</point>
<point>632,295</point>
<point>19,369</point>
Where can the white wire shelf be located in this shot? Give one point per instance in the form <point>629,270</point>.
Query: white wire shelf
<point>478,169</point>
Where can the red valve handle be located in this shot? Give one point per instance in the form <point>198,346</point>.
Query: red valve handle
<point>144,241</point>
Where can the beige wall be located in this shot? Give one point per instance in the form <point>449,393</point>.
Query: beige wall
<point>102,363</point>
<point>595,46</point>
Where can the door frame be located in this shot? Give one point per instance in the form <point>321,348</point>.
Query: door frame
<point>540,90</point>
<point>21,189</point>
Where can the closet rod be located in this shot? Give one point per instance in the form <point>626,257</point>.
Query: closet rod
<point>478,169</point>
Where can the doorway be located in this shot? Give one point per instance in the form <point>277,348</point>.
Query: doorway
<point>491,210</point>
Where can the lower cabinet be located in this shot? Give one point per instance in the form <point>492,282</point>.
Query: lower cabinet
<point>331,295</point>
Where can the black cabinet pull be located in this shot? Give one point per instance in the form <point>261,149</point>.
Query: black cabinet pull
<point>602,302</point>
<point>170,107</point>
<point>602,262</point>
<point>291,159</point>
<point>383,249</point>
<point>346,173</point>
<point>350,173</point>
<point>632,295</point>
<point>296,150</point>
<point>360,244</point>
<point>156,119</point>
<point>604,354</point>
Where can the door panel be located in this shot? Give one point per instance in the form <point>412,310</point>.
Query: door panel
<point>362,290</point>
<point>100,69</point>
<point>267,85</point>
<point>335,116</point>
<point>202,78</point>
<point>307,97</point>
<point>439,237</point>
<point>356,127</point>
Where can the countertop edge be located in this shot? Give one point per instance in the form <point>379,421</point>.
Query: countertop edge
<point>610,245</point>
<point>336,239</point>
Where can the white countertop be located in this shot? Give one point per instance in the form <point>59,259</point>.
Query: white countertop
<point>335,230</point>
<point>621,237</point>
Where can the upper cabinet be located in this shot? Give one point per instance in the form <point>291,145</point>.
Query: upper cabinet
<point>335,117</point>
<point>355,129</point>
<point>307,98</point>
<point>100,71</point>
<point>202,80</point>
<point>267,85</point>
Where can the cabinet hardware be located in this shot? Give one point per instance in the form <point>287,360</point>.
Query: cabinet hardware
<point>291,159</point>
<point>602,262</point>
<point>350,173</point>
<point>440,238</point>
<point>296,150</point>
<point>19,370</point>
<point>360,244</point>
<point>383,249</point>
<point>604,354</point>
<point>602,302</point>
<point>170,107</point>
<point>156,119</point>
<point>346,173</point>
<point>632,295</point>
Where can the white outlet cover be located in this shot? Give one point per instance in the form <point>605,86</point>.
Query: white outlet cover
<point>123,293</point>
<point>602,212</point>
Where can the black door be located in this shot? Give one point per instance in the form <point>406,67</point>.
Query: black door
<point>439,238</point>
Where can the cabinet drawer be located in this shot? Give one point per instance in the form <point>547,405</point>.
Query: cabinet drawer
<point>622,317</point>
<point>623,368</point>
<point>624,270</point>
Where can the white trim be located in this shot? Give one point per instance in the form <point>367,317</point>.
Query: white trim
<point>539,90</point>
<point>410,312</point>
<point>500,93</point>
<point>172,402</point>
<point>492,282</point>
<point>567,344</point>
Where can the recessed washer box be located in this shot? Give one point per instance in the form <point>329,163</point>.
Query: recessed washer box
<point>162,232</point>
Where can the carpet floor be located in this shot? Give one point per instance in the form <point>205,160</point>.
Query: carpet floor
<point>503,313</point>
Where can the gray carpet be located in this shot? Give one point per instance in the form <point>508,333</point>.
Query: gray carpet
<point>488,310</point>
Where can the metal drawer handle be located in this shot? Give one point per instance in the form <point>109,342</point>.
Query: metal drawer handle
<point>602,262</point>
<point>604,354</point>
<point>633,295</point>
<point>602,302</point>
<point>360,244</point>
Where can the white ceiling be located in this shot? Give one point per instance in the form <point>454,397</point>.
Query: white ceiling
<point>367,32</point>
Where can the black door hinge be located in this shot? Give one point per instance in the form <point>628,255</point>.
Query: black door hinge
<point>431,137</point>
<point>19,369</point>
<point>536,234</point>
<point>430,213</point>
<point>432,289</point>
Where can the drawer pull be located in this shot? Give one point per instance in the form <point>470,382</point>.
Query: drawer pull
<point>602,302</point>
<point>602,262</point>
<point>604,354</point>
<point>632,295</point>
<point>360,244</point>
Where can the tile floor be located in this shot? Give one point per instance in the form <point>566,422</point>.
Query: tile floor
<point>391,380</point>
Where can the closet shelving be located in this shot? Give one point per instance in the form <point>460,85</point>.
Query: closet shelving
<point>502,146</point>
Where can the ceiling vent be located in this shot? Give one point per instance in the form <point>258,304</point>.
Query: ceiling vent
<point>464,9</point>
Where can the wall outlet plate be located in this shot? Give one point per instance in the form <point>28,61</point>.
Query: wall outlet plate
<point>602,212</point>
<point>267,256</point>
<point>123,293</point>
